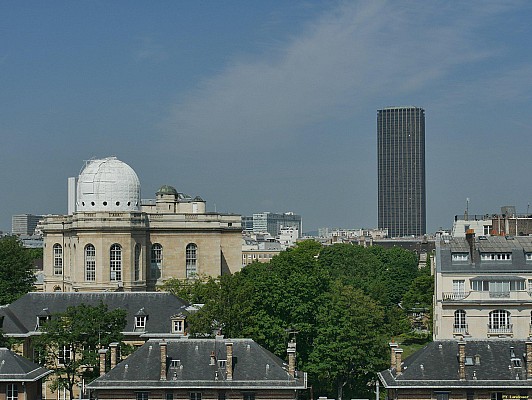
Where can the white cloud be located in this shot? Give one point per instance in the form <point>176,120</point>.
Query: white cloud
<point>356,53</point>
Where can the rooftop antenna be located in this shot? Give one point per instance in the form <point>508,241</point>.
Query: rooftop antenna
<point>467,209</point>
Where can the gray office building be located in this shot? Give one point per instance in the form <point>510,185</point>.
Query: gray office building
<point>24,224</point>
<point>401,170</point>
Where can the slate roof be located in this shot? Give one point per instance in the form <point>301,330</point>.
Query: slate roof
<point>14,368</point>
<point>20,317</point>
<point>253,367</point>
<point>436,366</point>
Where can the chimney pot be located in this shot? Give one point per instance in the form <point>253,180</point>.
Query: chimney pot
<point>163,360</point>
<point>393,346</point>
<point>229,361</point>
<point>102,353</point>
<point>528,346</point>
<point>398,361</point>
<point>292,358</point>
<point>461,360</point>
<point>114,354</point>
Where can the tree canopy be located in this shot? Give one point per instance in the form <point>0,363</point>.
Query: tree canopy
<point>16,270</point>
<point>342,302</point>
<point>70,342</point>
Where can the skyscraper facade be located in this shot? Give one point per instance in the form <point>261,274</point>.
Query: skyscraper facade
<point>401,170</point>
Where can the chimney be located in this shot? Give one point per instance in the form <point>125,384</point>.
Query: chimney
<point>393,346</point>
<point>229,361</point>
<point>528,347</point>
<point>114,353</point>
<point>470,237</point>
<point>162,345</point>
<point>461,360</point>
<point>101,354</point>
<point>292,358</point>
<point>398,368</point>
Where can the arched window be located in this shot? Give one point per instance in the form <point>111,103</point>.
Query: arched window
<point>90,263</point>
<point>156,260</point>
<point>191,260</point>
<point>116,262</point>
<point>58,259</point>
<point>499,321</point>
<point>137,262</point>
<point>460,321</point>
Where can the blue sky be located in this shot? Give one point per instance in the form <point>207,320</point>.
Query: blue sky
<point>266,105</point>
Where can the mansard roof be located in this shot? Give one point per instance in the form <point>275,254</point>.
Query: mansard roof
<point>15,368</point>
<point>188,365</point>
<point>490,364</point>
<point>20,317</point>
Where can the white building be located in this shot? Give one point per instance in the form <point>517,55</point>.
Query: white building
<point>483,287</point>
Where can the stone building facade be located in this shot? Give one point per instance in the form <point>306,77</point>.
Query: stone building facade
<point>112,240</point>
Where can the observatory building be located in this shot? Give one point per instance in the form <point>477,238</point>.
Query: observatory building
<point>112,240</point>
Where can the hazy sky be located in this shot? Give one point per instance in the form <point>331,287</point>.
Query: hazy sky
<point>266,105</point>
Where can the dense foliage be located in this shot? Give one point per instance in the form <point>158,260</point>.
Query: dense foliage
<point>342,302</point>
<point>70,342</point>
<point>16,269</point>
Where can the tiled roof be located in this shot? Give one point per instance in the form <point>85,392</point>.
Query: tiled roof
<point>14,368</point>
<point>20,317</point>
<point>253,367</point>
<point>437,366</point>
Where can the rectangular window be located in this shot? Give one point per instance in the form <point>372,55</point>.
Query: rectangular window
<point>58,259</point>
<point>177,326</point>
<point>140,321</point>
<point>249,396</point>
<point>221,395</point>
<point>64,355</point>
<point>487,231</point>
<point>195,396</point>
<point>459,286</point>
<point>142,395</point>
<point>442,395</point>
<point>169,396</point>
<point>528,256</point>
<point>496,396</point>
<point>12,391</point>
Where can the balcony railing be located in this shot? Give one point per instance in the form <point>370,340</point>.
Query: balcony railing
<point>500,329</point>
<point>449,296</point>
<point>499,295</point>
<point>460,328</point>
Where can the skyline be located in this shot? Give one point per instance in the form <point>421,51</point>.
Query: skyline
<point>265,106</point>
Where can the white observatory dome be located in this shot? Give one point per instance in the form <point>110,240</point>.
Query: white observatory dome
<point>108,185</point>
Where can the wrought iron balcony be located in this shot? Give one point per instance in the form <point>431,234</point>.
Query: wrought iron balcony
<point>460,328</point>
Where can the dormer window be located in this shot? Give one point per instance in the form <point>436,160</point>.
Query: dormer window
<point>140,319</point>
<point>178,326</point>
<point>457,257</point>
<point>221,363</point>
<point>140,322</point>
<point>528,256</point>
<point>495,256</point>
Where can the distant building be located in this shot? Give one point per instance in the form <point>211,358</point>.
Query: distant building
<point>255,248</point>
<point>272,223</point>
<point>401,171</point>
<point>113,240</point>
<point>202,369</point>
<point>24,224</point>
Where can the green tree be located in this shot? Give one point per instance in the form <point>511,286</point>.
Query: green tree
<point>16,270</point>
<point>350,345</point>
<point>70,342</point>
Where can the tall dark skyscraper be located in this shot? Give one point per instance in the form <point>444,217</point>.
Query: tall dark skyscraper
<point>401,159</point>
